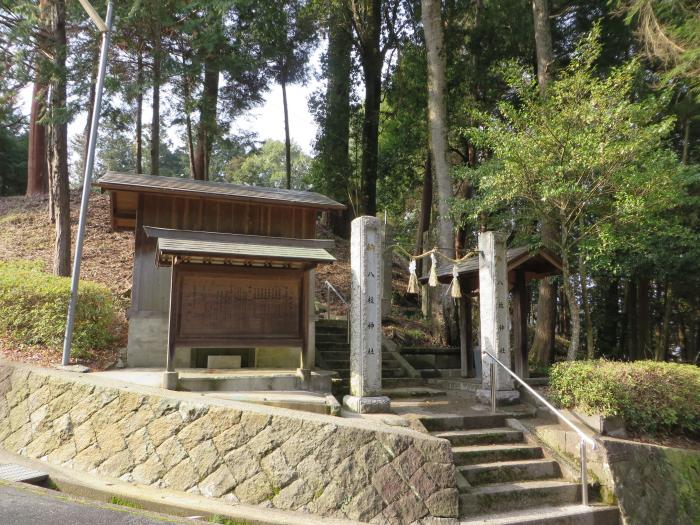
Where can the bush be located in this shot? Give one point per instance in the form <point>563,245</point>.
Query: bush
<point>34,304</point>
<point>651,397</point>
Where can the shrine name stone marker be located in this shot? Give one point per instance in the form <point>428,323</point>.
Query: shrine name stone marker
<point>493,313</point>
<point>365,311</point>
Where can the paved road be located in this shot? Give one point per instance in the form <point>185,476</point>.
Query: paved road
<point>27,505</point>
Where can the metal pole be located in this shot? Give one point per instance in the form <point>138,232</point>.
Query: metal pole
<point>493,386</point>
<point>87,180</point>
<point>584,473</point>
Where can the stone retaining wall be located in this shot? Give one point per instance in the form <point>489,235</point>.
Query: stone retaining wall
<point>244,453</point>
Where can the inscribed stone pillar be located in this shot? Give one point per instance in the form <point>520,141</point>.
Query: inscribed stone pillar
<point>493,313</point>
<point>365,318</point>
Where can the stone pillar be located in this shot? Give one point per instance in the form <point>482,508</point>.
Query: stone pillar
<point>365,311</point>
<point>493,314</point>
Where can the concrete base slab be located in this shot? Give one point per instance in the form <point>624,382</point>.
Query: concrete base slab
<point>170,380</point>
<point>503,397</point>
<point>367,405</point>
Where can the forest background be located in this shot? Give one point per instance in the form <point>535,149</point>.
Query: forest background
<point>571,125</point>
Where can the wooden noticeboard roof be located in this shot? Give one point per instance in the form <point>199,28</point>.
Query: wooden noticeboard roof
<point>215,190</point>
<point>207,247</point>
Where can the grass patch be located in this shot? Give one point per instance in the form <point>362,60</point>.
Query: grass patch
<point>116,500</point>
<point>33,307</point>
<point>651,397</point>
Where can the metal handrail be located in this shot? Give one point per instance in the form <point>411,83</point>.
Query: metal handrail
<point>583,438</point>
<point>329,288</point>
<point>336,292</point>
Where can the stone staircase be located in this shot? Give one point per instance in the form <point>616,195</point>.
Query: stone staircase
<point>505,480</point>
<point>333,353</point>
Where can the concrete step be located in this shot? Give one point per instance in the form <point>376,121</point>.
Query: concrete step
<point>412,391</point>
<point>481,436</point>
<point>331,355</point>
<point>337,364</point>
<point>473,455</point>
<point>437,423</point>
<point>334,347</point>
<point>505,497</point>
<point>388,373</point>
<point>560,515</point>
<point>509,471</point>
<point>331,338</point>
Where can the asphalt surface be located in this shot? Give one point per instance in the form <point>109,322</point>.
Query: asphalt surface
<point>27,505</point>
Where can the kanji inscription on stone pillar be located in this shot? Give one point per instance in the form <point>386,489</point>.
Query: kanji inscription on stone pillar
<point>493,314</point>
<point>365,318</point>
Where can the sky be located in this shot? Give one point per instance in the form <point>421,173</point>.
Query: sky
<point>266,120</point>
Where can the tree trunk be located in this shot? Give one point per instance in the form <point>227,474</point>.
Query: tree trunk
<point>543,344</point>
<point>37,178</point>
<point>426,203</point>
<point>139,112</point>
<point>590,344</point>
<point>662,349</point>
<point>372,70</point>
<point>287,141</point>
<point>643,321</point>
<point>572,353</point>
<point>207,119</point>
<point>543,43</point>
<point>155,117</point>
<point>58,141</point>
<point>437,120</point>
<point>631,339</point>
<point>686,140</point>
<point>607,329</point>
<point>90,106</point>
<point>336,133</point>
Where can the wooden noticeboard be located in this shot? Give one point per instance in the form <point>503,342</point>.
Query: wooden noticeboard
<point>236,306</point>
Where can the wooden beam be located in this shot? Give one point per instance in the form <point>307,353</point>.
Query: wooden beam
<point>465,336</point>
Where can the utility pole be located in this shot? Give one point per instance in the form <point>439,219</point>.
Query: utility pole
<point>105,27</point>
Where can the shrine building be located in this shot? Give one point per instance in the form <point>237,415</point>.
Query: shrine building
<point>223,274</point>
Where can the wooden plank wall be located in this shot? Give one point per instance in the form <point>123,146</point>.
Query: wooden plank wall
<point>150,291</point>
<point>228,217</point>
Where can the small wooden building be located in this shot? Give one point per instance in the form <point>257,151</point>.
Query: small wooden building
<point>523,265</point>
<point>219,270</point>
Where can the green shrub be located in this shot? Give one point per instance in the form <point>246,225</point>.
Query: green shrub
<point>34,304</point>
<point>651,397</point>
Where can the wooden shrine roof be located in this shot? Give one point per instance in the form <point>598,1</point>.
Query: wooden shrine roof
<point>206,247</point>
<point>536,263</point>
<point>215,190</point>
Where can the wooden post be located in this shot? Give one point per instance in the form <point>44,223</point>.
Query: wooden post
<point>465,336</point>
<point>170,376</point>
<point>308,349</point>
<point>520,313</point>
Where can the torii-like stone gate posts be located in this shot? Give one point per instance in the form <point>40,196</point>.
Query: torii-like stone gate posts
<point>493,314</point>
<point>366,318</point>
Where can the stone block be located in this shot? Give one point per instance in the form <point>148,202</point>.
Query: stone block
<point>242,463</point>
<point>364,506</point>
<point>205,457</point>
<point>149,471</point>
<point>444,503</point>
<point>367,404</point>
<point>182,476</point>
<point>408,462</point>
<point>88,459</point>
<point>295,495</point>
<point>389,484</point>
<point>423,484</point>
<point>116,465</point>
<point>110,440</point>
<point>164,427</point>
<point>171,452</point>
<point>278,471</point>
<point>217,483</point>
<point>254,490</point>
